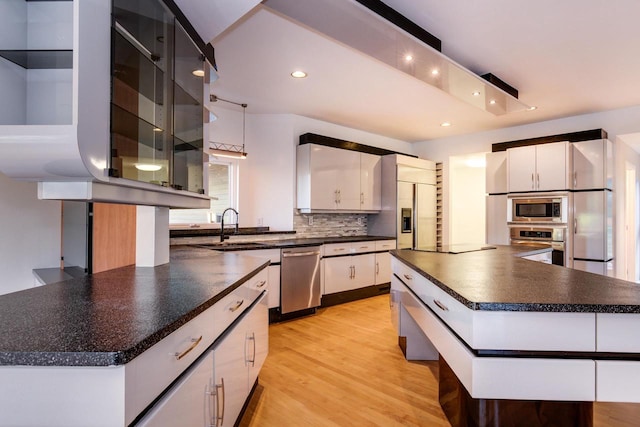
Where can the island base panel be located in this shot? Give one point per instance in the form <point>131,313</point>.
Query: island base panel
<point>462,410</point>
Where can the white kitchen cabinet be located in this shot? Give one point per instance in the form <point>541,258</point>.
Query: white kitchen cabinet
<point>496,172</point>
<point>540,167</point>
<point>597,267</point>
<point>256,344</point>
<point>214,389</point>
<point>331,179</point>
<point>592,165</point>
<point>190,402</point>
<point>383,268</point>
<point>274,286</point>
<point>395,299</point>
<point>590,232</point>
<point>370,182</point>
<point>497,230</point>
<point>348,272</point>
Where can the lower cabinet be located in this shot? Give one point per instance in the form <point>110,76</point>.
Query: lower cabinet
<point>214,389</point>
<point>348,272</point>
<point>383,268</point>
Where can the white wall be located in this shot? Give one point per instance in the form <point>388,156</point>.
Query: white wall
<point>29,234</point>
<point>615,122</point>
<point>466,203</point>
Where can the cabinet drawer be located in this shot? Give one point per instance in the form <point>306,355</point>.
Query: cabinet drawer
<point>231,306</point>
<point>384,245</point>
<point>617,381</point>
<point>618,332</point>
<point>335,249</point>
<point>362,247</point>
<point>158,366</point>
<point>257,284</point>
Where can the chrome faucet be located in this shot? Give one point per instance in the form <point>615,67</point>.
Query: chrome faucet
<point>222,236</point>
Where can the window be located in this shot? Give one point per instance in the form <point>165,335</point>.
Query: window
<point>222,187</point>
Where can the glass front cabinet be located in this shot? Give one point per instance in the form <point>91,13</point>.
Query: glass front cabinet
<point>104,92</point>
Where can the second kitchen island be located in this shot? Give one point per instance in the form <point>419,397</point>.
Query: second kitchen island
<point>517,341</point>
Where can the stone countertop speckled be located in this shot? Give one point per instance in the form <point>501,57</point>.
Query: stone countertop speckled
<point>110,318</point>
<point>498,280</point>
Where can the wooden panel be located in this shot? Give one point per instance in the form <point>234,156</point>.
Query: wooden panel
<point>585,135</point>
<point>114,236</point>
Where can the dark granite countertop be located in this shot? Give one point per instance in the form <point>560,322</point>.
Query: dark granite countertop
<point>209,230</point>
<point>287,243</point>
<point>498,280</point>
<point>110,318</point>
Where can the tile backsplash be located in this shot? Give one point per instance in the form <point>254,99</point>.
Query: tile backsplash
<point>329,224</point>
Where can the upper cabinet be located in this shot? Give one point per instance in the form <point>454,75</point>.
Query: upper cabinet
<point>333,179</point>
<point>592,165</point>
<point>538,167</point>
<point>103,100</point>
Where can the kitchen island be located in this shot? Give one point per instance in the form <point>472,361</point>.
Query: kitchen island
<point>517,339</point>
<point>100,349</point>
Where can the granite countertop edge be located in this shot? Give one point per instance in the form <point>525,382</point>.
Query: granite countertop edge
<point>523,306</point>
<point>288,243</point>
<point>118,357</point>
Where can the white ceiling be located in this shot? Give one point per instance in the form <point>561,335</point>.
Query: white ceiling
<point>565,57</point>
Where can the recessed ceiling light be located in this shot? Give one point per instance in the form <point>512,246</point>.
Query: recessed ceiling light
<point>493,101</point>
<point>435,72</point>
<point>476,93</point>
<point>408,58</point>
<point>198,73</point>
<point>298,74</point>
<point>533,107</point>
<point>445,124</point>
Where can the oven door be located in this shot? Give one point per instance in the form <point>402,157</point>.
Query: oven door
<point>542,237</point>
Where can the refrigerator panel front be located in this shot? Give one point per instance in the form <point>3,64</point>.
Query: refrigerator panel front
<point>425,223</point>
<point>589,229</point>
<point>405,215</point>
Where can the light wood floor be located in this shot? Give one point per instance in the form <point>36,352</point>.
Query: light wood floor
<point>343,367</point>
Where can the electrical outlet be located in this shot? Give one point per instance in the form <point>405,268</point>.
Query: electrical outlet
<point>260,222</point>
<point>310,219</point>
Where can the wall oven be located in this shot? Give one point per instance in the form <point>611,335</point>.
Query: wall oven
<point>543,237</point>
<point>552,208</point>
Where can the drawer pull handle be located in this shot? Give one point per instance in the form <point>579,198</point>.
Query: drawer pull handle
<point>195,342</point>
<point>339,249</point>
<point>364,247</point>
<point>261,284</point>
<point>237,306</point>
<point>441,305</point>
<point>406,276</point>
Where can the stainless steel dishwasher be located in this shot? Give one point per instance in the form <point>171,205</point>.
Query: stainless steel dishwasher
<point>300,279</point>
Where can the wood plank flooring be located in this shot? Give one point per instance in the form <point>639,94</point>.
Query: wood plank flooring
<point>343,367</point>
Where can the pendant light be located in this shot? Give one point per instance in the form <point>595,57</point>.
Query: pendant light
<point>234,151</point>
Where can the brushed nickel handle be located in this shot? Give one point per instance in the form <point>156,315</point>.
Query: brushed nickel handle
<point>261,284</point>
<point>220,407</point>
<point>339,249</point>
<point>575,180</point>
<point>195,342</point>
<point>538,177</point>
<point>440,305</point>
<point>533,187</point>
<point>354,271</point>
<point>362,198</point>
<point>406,276</point>
<point>335,198</point>
<point>237,306</point>
<point>377,268</point>
<point>299,254</point>
<point>575,226</point>
<point>252,360</point>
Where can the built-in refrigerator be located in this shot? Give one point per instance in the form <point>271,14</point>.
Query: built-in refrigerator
<point>408,203</point>
<point>592,231</point>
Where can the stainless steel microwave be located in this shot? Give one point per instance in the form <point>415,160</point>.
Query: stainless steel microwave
<point>543,209</point>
